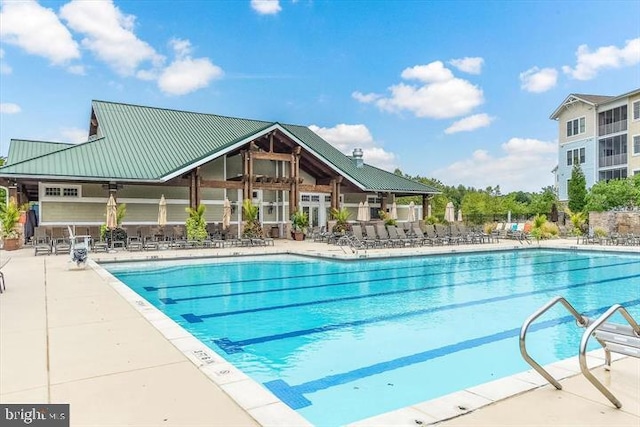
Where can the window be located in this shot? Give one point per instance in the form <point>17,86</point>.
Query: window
<point>636,110</point>
<point>636,145</point>
<point>613,174</point>
<point>576,156</point>
<point>52,191</point>
<point>575,126</point>
<point>62,191</point>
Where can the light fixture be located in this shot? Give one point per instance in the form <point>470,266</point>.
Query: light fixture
<point>270,210</point>
<point>233,207</point>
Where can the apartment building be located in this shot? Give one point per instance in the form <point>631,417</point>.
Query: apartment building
<point>601,133</point>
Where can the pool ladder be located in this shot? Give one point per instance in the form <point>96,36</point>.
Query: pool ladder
<point>613,337</point>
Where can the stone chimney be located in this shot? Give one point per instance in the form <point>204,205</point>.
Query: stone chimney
<point>357,157</point>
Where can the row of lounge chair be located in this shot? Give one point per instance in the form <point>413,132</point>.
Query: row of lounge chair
<point>56,240</point>
<point>391,236</point>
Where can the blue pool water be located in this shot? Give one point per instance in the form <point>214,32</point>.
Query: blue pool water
<point>344,340</point>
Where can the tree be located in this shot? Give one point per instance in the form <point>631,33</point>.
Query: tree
<point>616,193</point>
<point>577,189</point>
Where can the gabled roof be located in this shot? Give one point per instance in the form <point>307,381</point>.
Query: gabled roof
<point>595,100</point>
<point>146,144</point>
<point>22,149</point>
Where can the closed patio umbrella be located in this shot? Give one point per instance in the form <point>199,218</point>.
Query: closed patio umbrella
<point>367,212</point>
<point>450,212</point>
<point>459,215</point>
<point>226,214</point>
<point>411,217</point>
<point>112,213</point>
<point>112,216</point>
<point>429,210</point>
<point>394,211</point>
<point>361,214</point>
<point>162,212</point>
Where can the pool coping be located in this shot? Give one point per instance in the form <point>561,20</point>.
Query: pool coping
<point>269,410</point>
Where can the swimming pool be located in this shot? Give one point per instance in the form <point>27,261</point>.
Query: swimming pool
<point>341,341</point>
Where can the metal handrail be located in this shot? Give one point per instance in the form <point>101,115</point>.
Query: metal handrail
<point>582,321</point>
<point>585,341</point>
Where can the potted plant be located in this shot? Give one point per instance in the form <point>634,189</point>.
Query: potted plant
<point>195,224</point>
<point>299,224</point>
<point>252,227</point>
<point>9,217</point>
<point>341,216</point>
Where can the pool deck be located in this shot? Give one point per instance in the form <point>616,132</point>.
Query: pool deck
<point>79,337</point>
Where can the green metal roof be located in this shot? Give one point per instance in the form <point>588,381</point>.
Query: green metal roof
<point>137,143</point>
<point>22,149</point>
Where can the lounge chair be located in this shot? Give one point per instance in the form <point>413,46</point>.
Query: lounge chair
<point>3,286</point>
<point>431,234</point>
<point>383,235</point>
<point>365,241</point>
<point>42,242</point>
<point>412,240</point>
<point>421,238</point>
<point>394,239</point>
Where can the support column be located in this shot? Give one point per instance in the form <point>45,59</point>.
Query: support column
<point>293,200</point>
<point>425,205</point>
<point>334,194</point>
<point>383,202</point>
<point>338,182</point>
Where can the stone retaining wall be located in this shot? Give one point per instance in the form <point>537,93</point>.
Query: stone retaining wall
<point>616,222</point>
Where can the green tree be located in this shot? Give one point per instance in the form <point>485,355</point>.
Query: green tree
<point>616,193</point>
<point>577,189</point>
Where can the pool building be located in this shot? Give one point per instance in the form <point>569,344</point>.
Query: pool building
<point>140,153</point>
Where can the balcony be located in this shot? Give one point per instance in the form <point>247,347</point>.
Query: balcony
<point>613,160</point>
<point>614,127</point>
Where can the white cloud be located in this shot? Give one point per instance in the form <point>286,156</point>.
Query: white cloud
<point>590,63</point>
<point>430,73</point>
<point>266,7</point>
<point>470,123</point>
<point>365,98</point>
<point>109,35</point>
<point>538,80</point>
<point>9,108</point>
<point>468,65</point>
<point>186,75</point>
<point>4,68</point>
<point>347,137</point>
<point>524,164</point>
<point>440,96</point>
<point>38,31</point>
<point>72,134</point>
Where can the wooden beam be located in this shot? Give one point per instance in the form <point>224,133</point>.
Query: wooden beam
<point>315,188</point>
<point>212,183</point>
<point>262,155</point>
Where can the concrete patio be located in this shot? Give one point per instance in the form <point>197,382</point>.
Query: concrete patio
<point>70,336</point>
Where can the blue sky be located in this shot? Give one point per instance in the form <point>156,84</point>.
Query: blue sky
<point>458,91</point>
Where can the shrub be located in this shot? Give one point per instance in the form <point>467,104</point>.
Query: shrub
<point>195,224</point>
<point>252,228</point>
<point>341,216</point>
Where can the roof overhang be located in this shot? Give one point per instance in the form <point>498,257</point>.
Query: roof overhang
<point>248,139</point>
<point>569,100</point>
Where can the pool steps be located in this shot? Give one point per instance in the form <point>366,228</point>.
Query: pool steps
<point>613,337</point>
